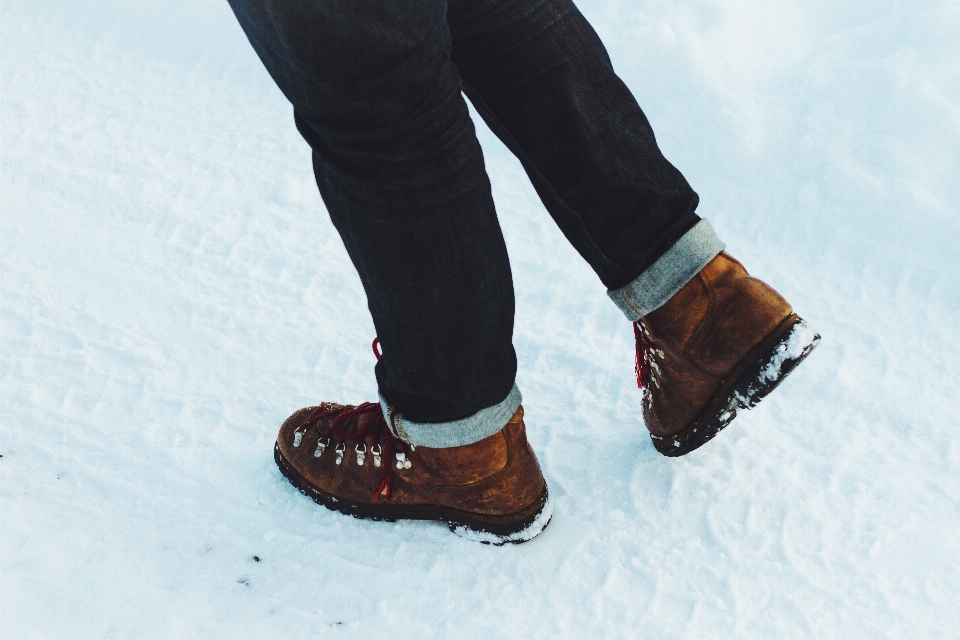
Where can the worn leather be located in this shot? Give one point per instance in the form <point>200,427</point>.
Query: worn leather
<point>498,475</point>
<point>703,332</point>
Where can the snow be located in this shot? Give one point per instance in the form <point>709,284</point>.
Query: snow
<point>172,290</point>
<point>801,338</point>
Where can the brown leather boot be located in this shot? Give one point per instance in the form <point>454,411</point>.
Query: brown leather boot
<point>346,459</point>
<point>721,343</point>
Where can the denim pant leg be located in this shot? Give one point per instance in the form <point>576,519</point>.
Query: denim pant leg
<point>400,170</point>
<point>542,80</point>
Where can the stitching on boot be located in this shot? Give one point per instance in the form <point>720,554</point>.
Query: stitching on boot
<point>711,301</point>
<point>510,459</point>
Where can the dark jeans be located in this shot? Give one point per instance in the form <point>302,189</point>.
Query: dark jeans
<point>376,90</point>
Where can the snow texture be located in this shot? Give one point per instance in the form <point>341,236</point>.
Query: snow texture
<point>801,338</point>
<point>172,289</point>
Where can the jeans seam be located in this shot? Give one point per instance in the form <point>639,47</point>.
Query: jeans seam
<point>527,162</point>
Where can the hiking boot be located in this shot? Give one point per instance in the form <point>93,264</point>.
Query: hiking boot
<point>347,459</point>
<point>720,344</point>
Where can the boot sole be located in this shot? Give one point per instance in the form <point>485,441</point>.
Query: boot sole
<point>757,374</point>
<point>514,528</point>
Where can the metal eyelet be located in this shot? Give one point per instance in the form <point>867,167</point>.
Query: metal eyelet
<point>321,447</point>
<point>402,462</point>
<point>340,449</point>
<point>377,451</point>
<point>297,437</point>
<point>361,453</point>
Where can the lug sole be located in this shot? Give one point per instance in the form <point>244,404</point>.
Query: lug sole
<point>758,373</point>
<point>514,528</point>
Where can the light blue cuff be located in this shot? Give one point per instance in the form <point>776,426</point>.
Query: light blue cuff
<point>675,268</point>
<point>456,433</point>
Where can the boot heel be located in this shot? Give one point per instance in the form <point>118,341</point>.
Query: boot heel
<point>794,343</point>
<point>533,522</point>
<point>759,373</point>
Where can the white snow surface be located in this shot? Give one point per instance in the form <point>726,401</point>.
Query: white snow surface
<point>172,289</point>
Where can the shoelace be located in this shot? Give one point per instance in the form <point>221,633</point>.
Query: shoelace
<point>341,424</point>
<point>644,349</point>
<point>646,364</point>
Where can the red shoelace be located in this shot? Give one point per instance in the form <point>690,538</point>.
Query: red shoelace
<point>340,425</point>
<point>644,347</point>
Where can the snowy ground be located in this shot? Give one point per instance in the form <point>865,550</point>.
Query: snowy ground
<point>172,289</point>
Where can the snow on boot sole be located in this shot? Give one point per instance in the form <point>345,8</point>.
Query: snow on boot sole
<point>496,530</point>
<point>758,373</point>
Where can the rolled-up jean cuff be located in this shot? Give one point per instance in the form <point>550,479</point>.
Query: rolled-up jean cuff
<point>455,433</point>
<point>675,268</point>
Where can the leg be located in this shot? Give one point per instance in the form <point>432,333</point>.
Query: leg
<point>402,174</point>
<point>541,78</point>
<point>710,339</point>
